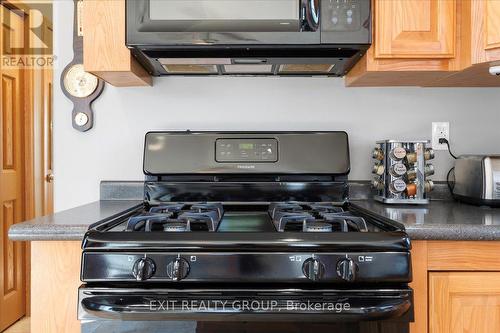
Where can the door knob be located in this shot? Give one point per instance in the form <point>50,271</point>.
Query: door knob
<point>49,178</point>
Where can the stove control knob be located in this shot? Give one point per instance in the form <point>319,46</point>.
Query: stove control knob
<point>347,269</point>
<point>178,269</point>
<point>143,269</point>
<point>313,269</point>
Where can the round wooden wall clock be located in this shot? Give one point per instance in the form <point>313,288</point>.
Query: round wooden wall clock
<point>81,87</point>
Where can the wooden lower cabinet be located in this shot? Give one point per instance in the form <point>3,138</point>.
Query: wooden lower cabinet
<point>464,302</point>
<point>456,286</point>
<point>55,278</point>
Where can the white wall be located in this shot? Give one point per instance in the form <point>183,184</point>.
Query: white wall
<point>112,150</point>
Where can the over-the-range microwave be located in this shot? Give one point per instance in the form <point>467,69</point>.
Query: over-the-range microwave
<point>248,37</point>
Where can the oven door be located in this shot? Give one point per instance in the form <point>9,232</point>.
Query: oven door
<point>245,304</point>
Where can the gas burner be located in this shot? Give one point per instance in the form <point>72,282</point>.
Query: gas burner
<point>317,227</point>
<point>208,207</point>
<point>209,218</point>
<point>325,208</point>
<point>314,217</point>
<point>172,208</point>
<point>145,222</point>
<point>293,221</point>
<point>346,219</point>
<point>285,207</point>
<point>339,221</point>
<point>177,227</point>
<point>176,217</point>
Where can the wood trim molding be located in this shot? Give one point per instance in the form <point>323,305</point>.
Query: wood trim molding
<point>419,286</point>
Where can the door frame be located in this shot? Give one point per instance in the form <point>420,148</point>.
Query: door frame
<point>33,80</point>
<point>23,96</point>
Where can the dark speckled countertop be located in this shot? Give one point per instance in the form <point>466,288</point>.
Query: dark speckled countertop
<point>70,224</point>
<point>441,219</point>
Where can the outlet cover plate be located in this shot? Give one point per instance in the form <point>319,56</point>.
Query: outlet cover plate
<point>440,130</point>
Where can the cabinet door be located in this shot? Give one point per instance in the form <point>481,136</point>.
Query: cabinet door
<point>485,31</point>
<point>419,29</point>
<point>464,302</point>
<point>493,28</point>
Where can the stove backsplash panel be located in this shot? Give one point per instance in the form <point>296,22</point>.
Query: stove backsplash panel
<point>257,192</point>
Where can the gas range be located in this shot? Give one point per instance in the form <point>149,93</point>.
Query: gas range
<point>270,223</point>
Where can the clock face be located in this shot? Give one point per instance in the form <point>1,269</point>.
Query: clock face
<point>81,119</point>
<point>79,83</point>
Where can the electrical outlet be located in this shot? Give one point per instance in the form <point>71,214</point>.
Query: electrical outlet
<point>440,130</point>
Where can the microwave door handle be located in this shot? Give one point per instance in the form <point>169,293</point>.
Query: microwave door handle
<point>310,15</point>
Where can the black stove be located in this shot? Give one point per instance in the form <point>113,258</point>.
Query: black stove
<point>246,218</point>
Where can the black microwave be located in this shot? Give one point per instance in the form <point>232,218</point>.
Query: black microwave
<point>248,37</point>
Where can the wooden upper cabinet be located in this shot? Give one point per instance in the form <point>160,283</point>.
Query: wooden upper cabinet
<point>485,17</point>
<point>431,43</point>
<point>464,302</point>
<point>418,29</point>
<point>414,42</point>
<point>479,42</point>
<point>492,25</point>
<point>104,51</point>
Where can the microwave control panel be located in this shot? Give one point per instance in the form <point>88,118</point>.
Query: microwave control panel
<point>246,150</point>
<point>341,15</point>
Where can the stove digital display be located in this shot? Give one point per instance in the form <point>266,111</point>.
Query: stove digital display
<point>246,146</point>
<point>246,150</point>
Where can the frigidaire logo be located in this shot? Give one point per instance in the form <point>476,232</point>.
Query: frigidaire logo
<point>245,166</point>
<point>27,34</point>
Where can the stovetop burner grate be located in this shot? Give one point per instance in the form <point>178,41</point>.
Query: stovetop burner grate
<point>309,218</point>
<point>178,217</point>
<point>284,216</point>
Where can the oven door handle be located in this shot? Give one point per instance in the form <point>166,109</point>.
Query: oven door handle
<point>125,307</point>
